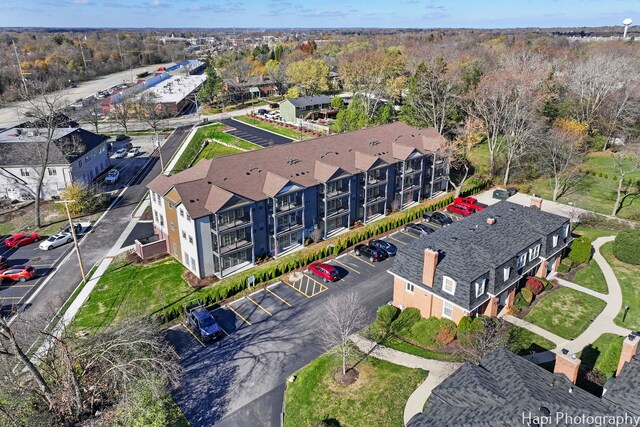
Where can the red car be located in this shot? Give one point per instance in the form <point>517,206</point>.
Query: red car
<point>470,202</point>
<point>18,273</point>
<point>21,239</point>
<point>326,272</point>
<point>460,209</point>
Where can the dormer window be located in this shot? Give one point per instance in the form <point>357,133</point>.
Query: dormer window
<point>507,273</point>
<point>555,241</point>
<point>448,285</point>
<point>521,261</point>
<point>534,252</point>
<point>480,285</point>
<point>566,231</point>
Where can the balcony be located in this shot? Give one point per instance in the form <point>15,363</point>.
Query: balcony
<point>238,222</point>
<point>374,199</point>
<point>235,246</point>
<point>332,213</point>
<point>288,207</point>
<point>335,192</point>
<point>411,171</point>
<point>288,228</point>
<point>411,187</point>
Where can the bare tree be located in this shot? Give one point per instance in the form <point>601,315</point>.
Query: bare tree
<point>150,111</point>
<point>343,317</point>
<point>485,340</point>
<point>455,154</point>
<point>559,155</point>
<point>626,162</point>
<point>122,111</point>
<point>91,114</point>
<point>316,235</point>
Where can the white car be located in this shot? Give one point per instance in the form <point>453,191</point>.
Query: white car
<point>56,240</point>
<point>133,152</point>
<point>112,176</point>
<point>120,153</point>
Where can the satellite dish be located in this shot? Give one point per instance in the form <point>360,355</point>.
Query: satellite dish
<point>627,21</point>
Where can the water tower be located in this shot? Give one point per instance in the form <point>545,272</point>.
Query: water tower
<point>626,24</point>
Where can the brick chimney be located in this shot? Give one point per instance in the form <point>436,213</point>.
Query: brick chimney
<point>567,364</point>
<point>629,349</point>
<point>429,268</point>
<point>491,221</point>
<point>536,202</point>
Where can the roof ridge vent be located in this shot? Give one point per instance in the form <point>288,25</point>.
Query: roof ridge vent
<point>293,161</point>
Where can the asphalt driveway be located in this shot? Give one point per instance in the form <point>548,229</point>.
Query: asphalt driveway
<point>254,134</point>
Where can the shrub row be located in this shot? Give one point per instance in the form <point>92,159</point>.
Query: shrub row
<point>580,250</point>
<point>604,175</point>
<point>272,270</point>
<point>626,247</point>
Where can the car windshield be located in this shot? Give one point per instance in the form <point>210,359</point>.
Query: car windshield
<point>205,322</point>
<point>53,238</point>
<point>113,173</point>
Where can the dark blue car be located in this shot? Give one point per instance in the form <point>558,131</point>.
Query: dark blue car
<point>389,248</point>
<point>202,323</point>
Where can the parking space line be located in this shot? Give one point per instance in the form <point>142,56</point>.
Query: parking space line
<point>399,241</point>
<point>192,334</point>
<point>17,286</point>
<point>277,296</point>
<point>346,266</point>
<point>298,290</point>
<point>1,298</point>
<point>360,259</point>
<point>407,234</point>
<point>259,306</point>
<point>238,314</point>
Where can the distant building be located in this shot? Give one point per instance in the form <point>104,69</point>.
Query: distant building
<point>306,107</point>
<point>20,160</point>
<point>252,87</point>
<point>177,93</point>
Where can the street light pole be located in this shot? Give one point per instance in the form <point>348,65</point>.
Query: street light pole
<point>75,238</point>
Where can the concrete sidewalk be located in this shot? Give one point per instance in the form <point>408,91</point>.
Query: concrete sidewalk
<point>438,371</point>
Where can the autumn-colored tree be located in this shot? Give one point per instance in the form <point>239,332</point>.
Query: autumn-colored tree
<point>310,75</point>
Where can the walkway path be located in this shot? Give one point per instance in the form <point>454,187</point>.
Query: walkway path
<point>438,371</point>
<point>604,323</point>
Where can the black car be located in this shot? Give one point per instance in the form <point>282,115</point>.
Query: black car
<point>418,230</point>
<point>3,263</point>
<point>374,254</point>
<point>437,218</point>
<point>389,248</point>
<point>121,137</point>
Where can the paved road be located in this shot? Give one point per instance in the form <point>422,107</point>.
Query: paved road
<point>94,247</point>
<point>254,134</point>
<point>239,380</point>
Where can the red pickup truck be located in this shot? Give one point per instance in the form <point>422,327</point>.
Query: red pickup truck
<point>470,202</point>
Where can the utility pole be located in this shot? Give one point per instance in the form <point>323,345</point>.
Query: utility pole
<point>84,60</point>
<point>159,147</point>
<point>24,81</point>
<point>75,238</point>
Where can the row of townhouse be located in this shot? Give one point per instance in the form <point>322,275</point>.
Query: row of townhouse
<point>474,266</point>
<point>224,213</point>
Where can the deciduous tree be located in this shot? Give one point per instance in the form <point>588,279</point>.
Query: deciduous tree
<point>310,75</point>
<point>559,153</point>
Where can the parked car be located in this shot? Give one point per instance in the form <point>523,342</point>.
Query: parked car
<point>419,230</point>
<point>3,263</point>
<point>326,272</point>
<point>55,241</point>
<point>133,152</point>
<point>21,239</point>
<point>263,111</point>
<point>20,273</point>
<point>202,323</point>
<point>121,137</point>
<point>460,210</point>
<point>385,246</point>
<point>67,228</point>
<point>120,153</point>
<point>500,194</point>
<point>274,105</point>
<point>112,176</point>
<point>373,253</point>
<point>471,202</point>
<point>437,218</point>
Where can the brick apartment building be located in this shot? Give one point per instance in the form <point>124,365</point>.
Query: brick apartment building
<point>222,214</point>
<point>474,266</point>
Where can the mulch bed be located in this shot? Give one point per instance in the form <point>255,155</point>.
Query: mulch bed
<point>349,378</point>
<point>197,283</point>
<point>523,312</point>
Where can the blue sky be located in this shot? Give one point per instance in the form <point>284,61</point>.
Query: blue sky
<point>314,13</point>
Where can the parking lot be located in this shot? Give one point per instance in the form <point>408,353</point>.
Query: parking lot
<point>14,294</point>
<point>253,134</point>
<point>269,334</point>
<point>128,167</point>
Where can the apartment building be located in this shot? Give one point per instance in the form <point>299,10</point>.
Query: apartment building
<point>222,214</point>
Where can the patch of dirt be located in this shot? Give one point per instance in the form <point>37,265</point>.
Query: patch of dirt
<point>349,378</point>
<point>196,283</point>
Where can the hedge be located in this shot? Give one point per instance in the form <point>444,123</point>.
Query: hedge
<point>405,321</point>
<point>626,247</point>
<point>433,332</point>
<point>467,328</point>
<point>534,285</point>
<point>580,250</point>
<point>527,295</point>
<point>274,269</point>
<point>387,314</point>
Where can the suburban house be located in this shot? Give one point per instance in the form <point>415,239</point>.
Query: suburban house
<point>224,213</point>
<point>75,155</point>
<point>306,107</point>
<point>250,88</point>
<point>508,390</point>
<point>474,266</point>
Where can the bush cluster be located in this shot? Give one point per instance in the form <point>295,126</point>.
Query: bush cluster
<point>534,285</point>
<point>433,332</point>
<point>580,250</point>
<point>626,247</point>
<point>527,295</point>
<point>405,321</point>
<point>467,328</point>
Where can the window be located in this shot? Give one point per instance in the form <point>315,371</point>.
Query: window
<point>447,310</point>
<point>155,215</point>
<point>52,171</point>
<point>193,263</point>
<point>24,172</point>
<point>161,220</point>
<point>480,287</point>
<point>534,252</point>
<point>566,231</point>
<point>188,217</point>
<point>409,287</point>
<point>186,259</point>
<point>184,235</point>
<point>555,241</point>
<point>191,239</point>
<point>521,261</point>
<point>507,273</point>
<point>182,212</point>
<point>448,285</point>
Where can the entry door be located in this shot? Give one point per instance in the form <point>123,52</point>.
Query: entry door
<point>503,299</point>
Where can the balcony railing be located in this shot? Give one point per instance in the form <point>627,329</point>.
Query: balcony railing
<point>245,221</point>
<point>288,207</point>
<point>287,228</point>
<point>410,187</point>
<point>412,171</point>
<point>235,246</point>
<point>331,213</point>
<point>336,192</point>
<point>373,199</point>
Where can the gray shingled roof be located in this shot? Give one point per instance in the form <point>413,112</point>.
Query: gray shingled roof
<point>471,247</point>
<point>624,391</point>
<point>305,101</point>
<point>16,145</point>
<point>499,390</point>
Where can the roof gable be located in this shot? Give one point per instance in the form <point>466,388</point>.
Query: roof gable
<point>365,162</point>
<point>325,172</point>
<point>402,152</point>
<point>273,184</point>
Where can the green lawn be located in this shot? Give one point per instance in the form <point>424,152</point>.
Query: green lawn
<point>523,342</point>
<point>272,127</point>
<point>603,354</point>
<point>212,149</point>
<point>400,345</point>
<point>627,276</point>
<point>593,233</point>
<point>591,277</point>
<point>130,290</point>
<point>565,312</point>
<point>376,399</point>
